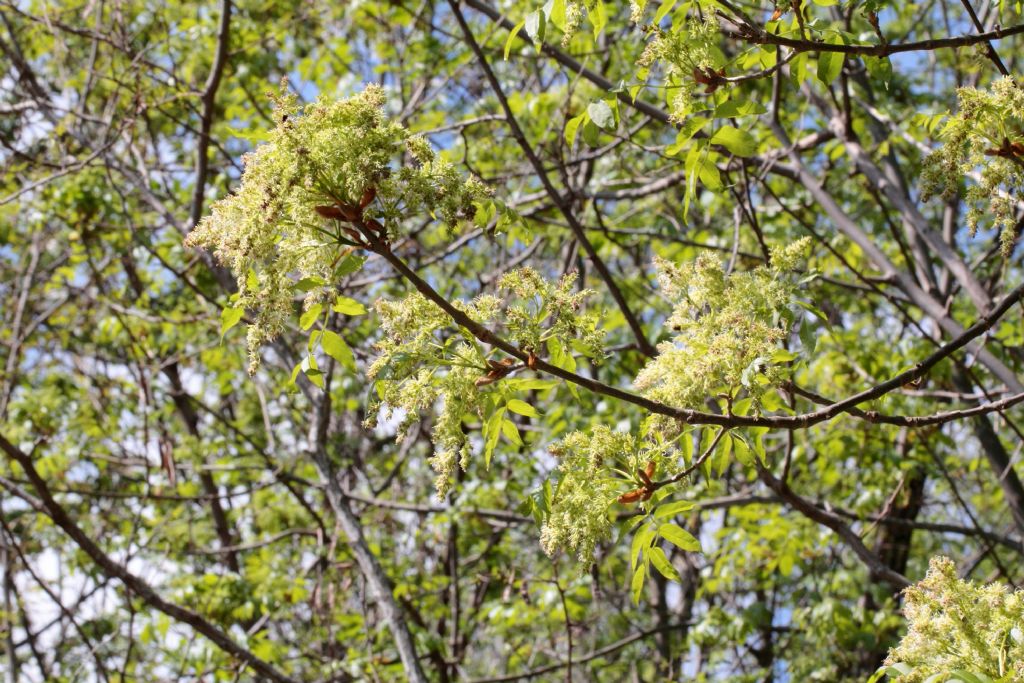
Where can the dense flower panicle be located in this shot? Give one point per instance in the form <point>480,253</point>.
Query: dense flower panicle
<point>579,517</point>
<point>727,328</point>
<point>987,136</point>
<point>411,376</point>
<point>956,625</point>
<point>324,153</point>
<point>686,51</point>
<point>575,11</point>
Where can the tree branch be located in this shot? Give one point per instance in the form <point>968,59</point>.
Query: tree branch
<point>133,583</point>
<point>563,206</point>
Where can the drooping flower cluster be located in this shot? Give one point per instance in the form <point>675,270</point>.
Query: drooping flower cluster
<point>687,53</point>
<point>956,625</point>
<point>344,152</point>
<point>580,510</point>
<point>986,135</point>
<point>419,366</point>
<point>727,329</point>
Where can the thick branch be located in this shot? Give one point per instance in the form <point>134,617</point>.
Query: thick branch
<point>696,417</point>
<point>758,36</point>
<point>836,524</point>
<point>134,584</point>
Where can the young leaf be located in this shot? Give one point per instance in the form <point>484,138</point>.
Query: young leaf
<point>572,127</point>
<point>733,108</point>
<point>335,347</point>
<point>663,10</point>
<point>742,450</point>
<point>535,24</point>
<point>522,408</point>
<point>512,37</point>
<point>602,115</point>
<point>739,142</point>
<point>492,431</point>
<point>673,509</point>
<point>598,17</point>
<point>661,563</point>
<point>830,64</point>
<point>511,432</point>
<point>555,12</point>
<point>350,264</point>
<point>686,132</point>
<point>591,133</point>
<point>310,316</point>
<point>229,317</point>
<point>312,372</point>
<point>348,306</point>
<point>679,537</point>
<point>309,283</point>
<point>637,584</point>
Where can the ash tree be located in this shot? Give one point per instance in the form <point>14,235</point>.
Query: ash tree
<point>451,340</point>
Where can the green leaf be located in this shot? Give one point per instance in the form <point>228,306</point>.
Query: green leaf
<point>742,450</point>
<point>572,127</point>
<point>492,431</point>
<point>522,408</point>
<point>348,306</point>
<point>511,432</point>
<point>295,373</point>
<point>690,166</point>
<point>335,347</point>
<point>602,115</point>
<point>535,24</point>
<point>735,108</point>
<point>808,337</point>
<point>673,509</point>
<point>641,539</point>
<point>230,317</point>
<point>512,37</point>
<point>637,584</point>
<point>709,174</point>
<point>350,264</point>
<point>531,384</point>
<point>786,562</point>
<point>591,133</point>
<point>663,10</point>
<point>690,127</point>
<point>310,316</point>
<point>309,283</point>
<point>879,68</point>
<point>661,563</point>
<point>972,676</point>
<point>312,372</point>
<point>598,17</point>
<point>555,12</point>
<point>816,312</point>
<point>893,671</point>
<point>758,434</point>
<point>739,142</point>
<point>830,64</point>
<point>783,356</point>
<point>679,537</point>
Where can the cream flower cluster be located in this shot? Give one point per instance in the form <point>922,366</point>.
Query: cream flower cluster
<point>959,626</point>
<point>276,228</point>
